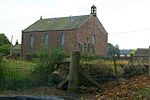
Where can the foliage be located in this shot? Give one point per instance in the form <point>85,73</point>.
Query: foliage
<point>47,63</point>
<point>2,71</point>
<point>89,57</point>
<point>4,44</point>
<point>3,39</point>
<point>113,50</point>
<point>132,52</point>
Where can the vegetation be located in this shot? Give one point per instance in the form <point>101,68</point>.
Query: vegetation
<point>16,75</point>
<point>2,71</point>
<point>113,50</point>
<point>21,75</point>
<point>4,45</point>
<point>47,63</point>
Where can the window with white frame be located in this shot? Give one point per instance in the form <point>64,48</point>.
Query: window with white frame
<point>62,41</point>
<point>94,39</point>
<point>31,41</point>
<point>45,39</point>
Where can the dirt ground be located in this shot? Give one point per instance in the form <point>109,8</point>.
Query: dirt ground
<point>130,89</point>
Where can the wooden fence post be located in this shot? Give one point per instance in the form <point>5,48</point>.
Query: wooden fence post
<point>73,86</point>
<point>115,69</point>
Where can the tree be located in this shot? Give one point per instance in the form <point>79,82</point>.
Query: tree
<point>110,49</point>
<point>113,50</point>
<point>117,50</point>
<point>4,44</point>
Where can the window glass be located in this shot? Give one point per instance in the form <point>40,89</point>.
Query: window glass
<point>62,39</point>
<point>46,39</point>
<point>94,39</point>
<point>31,41</point>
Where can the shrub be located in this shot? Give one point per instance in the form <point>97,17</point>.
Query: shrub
<point>47,63</point>
<point>2,71</point>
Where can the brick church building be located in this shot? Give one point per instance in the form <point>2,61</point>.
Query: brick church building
<point>83,33</point>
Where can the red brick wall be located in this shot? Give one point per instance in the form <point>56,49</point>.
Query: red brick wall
<point>72,37</point>
<point>88,29</point>
<point>54,38</point>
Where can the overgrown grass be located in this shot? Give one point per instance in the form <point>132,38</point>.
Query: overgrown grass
<point>17,75</point>
<point>18,65</point>
<point>47,63</point>
<point>16,80</point>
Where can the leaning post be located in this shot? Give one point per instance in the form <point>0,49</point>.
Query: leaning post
<point>115,69</point>
<point>73,86</point>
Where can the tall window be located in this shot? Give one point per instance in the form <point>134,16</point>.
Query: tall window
<point>94,39</point>
<point>62,41</point>
<point>31,41</point>
<point>46,39</point>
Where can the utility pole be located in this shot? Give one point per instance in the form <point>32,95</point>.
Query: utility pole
<point>11,45</point>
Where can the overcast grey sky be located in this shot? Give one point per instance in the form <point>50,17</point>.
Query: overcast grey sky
<point>126,21</point>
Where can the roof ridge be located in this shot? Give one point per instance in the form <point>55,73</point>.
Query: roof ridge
<point>65,17</point>
<point>58,23</point>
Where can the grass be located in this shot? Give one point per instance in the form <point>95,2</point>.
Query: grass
<point>18,75</point>
<point>144,92</point>
<point>20,65</point>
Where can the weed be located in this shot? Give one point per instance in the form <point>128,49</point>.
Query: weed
<point>47,63</point>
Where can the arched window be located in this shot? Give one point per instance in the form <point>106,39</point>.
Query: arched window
<point>31,41</point>
<point>46,39</point>
<point>62,41</point>
<point>94,39</point>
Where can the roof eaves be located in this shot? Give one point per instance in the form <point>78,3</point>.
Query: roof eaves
<point>103,27</point>
<point>49,30</point>
<point>31,25</point>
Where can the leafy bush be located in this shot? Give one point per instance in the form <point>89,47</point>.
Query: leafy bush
<point>47,63</point>
<point>2,71</point>
<point>4,44</point>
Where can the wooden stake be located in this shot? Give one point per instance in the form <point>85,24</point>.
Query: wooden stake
<point>73,86</point>
<point>115,69</point>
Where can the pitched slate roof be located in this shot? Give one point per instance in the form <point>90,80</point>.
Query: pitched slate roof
<point>17,47</point>
<point>62,23</point>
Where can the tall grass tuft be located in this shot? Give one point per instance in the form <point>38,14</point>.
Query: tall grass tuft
<point>16,80</point>
<point>47,63</point>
